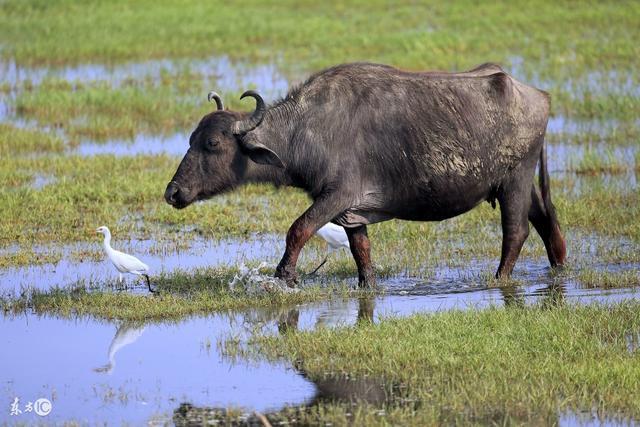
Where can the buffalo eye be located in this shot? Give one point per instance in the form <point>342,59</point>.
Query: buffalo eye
<point>212,142</point>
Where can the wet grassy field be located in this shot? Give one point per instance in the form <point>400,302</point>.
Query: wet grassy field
<point>495,366</point>
<point>97,100</point>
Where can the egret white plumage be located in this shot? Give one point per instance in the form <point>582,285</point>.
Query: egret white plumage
<point>124,263</point>
<point>336,238</point>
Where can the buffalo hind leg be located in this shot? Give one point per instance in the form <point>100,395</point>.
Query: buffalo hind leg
<point>318,214</point>
<point>548,229</point>
<point>514,208</point>
<point>361,251</point>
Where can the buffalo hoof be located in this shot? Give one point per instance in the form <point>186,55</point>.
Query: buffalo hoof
<point>287,274</point>
<point>367,280</point>
<point>368,283</point>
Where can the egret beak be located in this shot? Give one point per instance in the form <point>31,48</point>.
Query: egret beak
<point>97,230</point>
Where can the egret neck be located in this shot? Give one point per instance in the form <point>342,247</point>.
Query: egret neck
<point>107,242</point>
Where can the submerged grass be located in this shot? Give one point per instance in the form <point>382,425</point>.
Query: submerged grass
<point>27,256</point>
<point>492,366</point>
<point>594,161</point>
<point>179,294</point>
<point>103,110</point>
<point>498,366</point>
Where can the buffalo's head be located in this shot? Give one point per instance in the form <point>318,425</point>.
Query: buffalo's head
<point>219,154</point>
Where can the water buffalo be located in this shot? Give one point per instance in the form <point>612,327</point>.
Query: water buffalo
<point>369,143</point>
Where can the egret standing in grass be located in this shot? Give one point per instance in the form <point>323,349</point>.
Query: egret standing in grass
<point>124,263</point>
<point>335,237</point>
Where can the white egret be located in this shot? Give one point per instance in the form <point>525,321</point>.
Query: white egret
<point>124,263</point>
<point>336,238</point>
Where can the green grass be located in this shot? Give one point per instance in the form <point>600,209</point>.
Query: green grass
<point>125,193</point>
<point>426,35</point>
<point>27,256</point>
<point>602,210</point>
<point>15,140</point>
<point>609,280</point>
<point>86,193</point>
<point>554,45</point>
<point>607,105</point>
<point>496,366</point>
<point>499,366</point>
<point>100,111</point>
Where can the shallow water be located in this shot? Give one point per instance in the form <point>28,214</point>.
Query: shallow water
<point>229,75</point>
<point>564,125</point>
<point>593,83</point>
<point>172,145</point>
<point>591,419</point>
<point>101,371</point>
<point>96,372</point>
<point>86,263</point>
<point>564,157</point>
<point>159,258</point>
<point>218,72</point>
<point>126,371</point>
<point>41,180</point>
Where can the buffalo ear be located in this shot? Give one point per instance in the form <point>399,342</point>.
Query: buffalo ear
<point>261,154</point>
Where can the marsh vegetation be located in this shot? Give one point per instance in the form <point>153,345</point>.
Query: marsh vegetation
<point>97,101</point>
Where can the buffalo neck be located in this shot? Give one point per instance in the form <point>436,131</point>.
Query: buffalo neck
<point>275,132</point>
<point>266,174</point>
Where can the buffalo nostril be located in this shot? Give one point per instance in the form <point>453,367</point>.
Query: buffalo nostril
<point>171,192</point>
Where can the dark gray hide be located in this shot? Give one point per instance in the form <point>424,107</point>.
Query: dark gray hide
<point>370,143</point>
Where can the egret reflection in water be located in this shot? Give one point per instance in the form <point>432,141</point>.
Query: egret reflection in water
<point>127,333</point>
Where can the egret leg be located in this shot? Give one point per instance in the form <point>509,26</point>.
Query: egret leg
<point>120,279</point>
<point>146,276</point>
<point>318,267</point>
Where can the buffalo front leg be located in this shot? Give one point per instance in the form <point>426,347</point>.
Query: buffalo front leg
<point>361,251</point>
<point>318,214</point>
